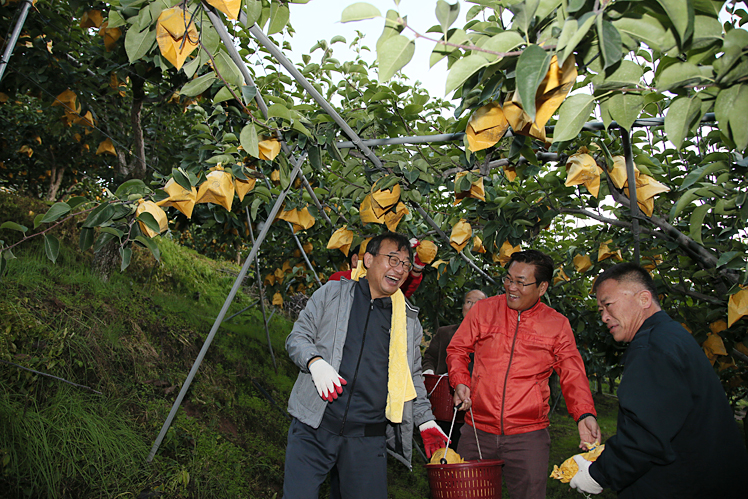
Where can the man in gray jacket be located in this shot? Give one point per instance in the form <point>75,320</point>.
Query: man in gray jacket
<point>360,389</point>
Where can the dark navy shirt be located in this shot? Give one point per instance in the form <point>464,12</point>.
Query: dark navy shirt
<point>365,360</point>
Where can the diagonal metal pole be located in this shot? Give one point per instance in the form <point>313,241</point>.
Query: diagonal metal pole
<point>635,213</point>
<point>262,292</point>
<point>14,36</point>
<point>230,298</point>
<point>237,58</point>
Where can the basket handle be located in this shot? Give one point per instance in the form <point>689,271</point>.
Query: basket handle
<point>441,376</point>
<point>480,454</point>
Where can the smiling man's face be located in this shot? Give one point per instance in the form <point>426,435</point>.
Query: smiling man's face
<point>384,279</point>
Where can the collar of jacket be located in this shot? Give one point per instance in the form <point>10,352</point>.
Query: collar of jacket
<point>531,312</point>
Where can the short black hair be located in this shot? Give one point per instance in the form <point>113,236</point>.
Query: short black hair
<point>628,272</point>
<point>542,262</point>
<point>397,238</point>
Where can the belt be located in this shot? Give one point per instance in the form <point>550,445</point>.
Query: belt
<point>352,429</point>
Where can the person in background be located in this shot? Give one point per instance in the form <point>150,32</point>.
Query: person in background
<point>677,435</point>
<point>409,286</point>
<point>360,388</point>
<point>435,356</point>
<point>518,342</point>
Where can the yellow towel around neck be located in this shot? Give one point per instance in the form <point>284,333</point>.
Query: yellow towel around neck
<point>400,386</point>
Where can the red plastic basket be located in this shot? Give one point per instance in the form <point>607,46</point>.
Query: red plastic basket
<point>470,480</point>
<point>440,394</point>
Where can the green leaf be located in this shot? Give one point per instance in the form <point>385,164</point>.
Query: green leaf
<point>115,232</point>
<point>86,238</point>
<point>358,12</point>
<point>697,221</point>
<point>56,211</point>
<point>249,141</point>
<point>337,39</point>
<point>681,74</point>
<point>506,41</point>
<point>228,70</point>
<point>76,201</point>
<point>394,53</point>
<point>524,14</point>
<point>572,116</point>
<point>126,255</point>
<point>627,74</point>
<point>584,24</point>
<point>739,119</point>
<point>8,255</point>
<point>14,226</point>
<point>464,69</point>
<point>38,220</point>
<point>647,29</point>
<point>392,27</point>
<point>149,221</point>
<point>115,19</point>
<point>279,15</point>
<point>681,114</point>
<point>624,108</point>
<point>100,215</point>
<point>102,241</point>
<point>532,67</point>
<point>458,37</point>
<point>51,247</point>
<point>248,93</point>
<point>701,172</point>
<point>610,42</point>
<point>181,178</point>
<point>151,245</point>
<point>254,10</point>
<point>681,14</point>
<point>683,201</point>
<point>223,95</point>
<point>3,264</point>
<point>279,111</point>
<point>447,14</point>
<point>133,186</point>
<point>198,85</point>
<point>139,43</point>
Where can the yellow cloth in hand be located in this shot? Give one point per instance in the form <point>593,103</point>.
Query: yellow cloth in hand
<point>400,386</point>
<point>569,468</point>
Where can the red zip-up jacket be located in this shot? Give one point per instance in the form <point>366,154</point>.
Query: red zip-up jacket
<point>515,353</point>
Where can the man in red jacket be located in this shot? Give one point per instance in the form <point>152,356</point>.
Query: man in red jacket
<point>518,341</point>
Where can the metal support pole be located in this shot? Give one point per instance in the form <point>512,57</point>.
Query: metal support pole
<point>635,213</point>
<point>26,5</point>
<point>262,292</point>
<point>221,315</point>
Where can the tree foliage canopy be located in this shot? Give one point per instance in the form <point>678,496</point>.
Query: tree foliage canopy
<point>559,100</point>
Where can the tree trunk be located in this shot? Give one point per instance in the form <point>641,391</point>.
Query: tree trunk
<point>136,167</point>
<point>55,180</point>
<point>106,259</point>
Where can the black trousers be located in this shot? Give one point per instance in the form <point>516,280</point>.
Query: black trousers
<point>312,453</point>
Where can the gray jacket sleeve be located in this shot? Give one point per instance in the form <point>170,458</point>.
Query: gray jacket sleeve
<point>421,405</point>
<point>302,343</point>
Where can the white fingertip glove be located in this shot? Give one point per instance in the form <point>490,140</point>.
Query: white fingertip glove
<point>428,371</point>
<point>326,379</point>
<point>582,481</point>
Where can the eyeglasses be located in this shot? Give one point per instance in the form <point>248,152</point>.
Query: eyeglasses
<point>508,282</point>
<point>395,261</point>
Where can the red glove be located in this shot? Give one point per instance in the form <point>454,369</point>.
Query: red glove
<point>418,265</point>
<point>433,437</point>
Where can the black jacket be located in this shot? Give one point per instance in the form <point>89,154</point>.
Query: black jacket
<point>677,435</point>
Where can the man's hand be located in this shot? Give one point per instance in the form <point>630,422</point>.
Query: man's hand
<point>433,437</point>
<point>589,432</point>
<point>582,481</point>
<point>462,397</point>
<point>326,379</point>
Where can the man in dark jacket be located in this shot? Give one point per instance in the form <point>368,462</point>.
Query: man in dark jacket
<point>677,435</point>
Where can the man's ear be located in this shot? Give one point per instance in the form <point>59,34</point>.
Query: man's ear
<point>645,298</point>
<point>368,259</point>
<point>543,287</point>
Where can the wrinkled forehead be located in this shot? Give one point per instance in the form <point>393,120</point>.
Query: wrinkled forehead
<point>611,289</point>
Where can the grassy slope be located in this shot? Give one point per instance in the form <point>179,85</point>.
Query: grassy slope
<point>134,339</point>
